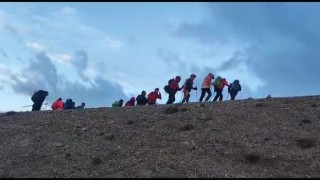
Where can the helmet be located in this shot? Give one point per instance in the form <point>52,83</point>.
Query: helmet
<point>193,75</point>
<point>178,77</point>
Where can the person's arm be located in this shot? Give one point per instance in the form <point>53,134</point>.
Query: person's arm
<point>239,87</point>
<point>159,96</point>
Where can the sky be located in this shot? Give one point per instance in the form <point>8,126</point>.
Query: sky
<point>105,51</point>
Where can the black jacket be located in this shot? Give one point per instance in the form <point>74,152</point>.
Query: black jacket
<point>141,100</point>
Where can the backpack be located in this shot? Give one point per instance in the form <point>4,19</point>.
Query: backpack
<point>167,87</point>
<point>217,81</point>
<point>235,85</point>
<point>35,95</point>
<point>68,104</point>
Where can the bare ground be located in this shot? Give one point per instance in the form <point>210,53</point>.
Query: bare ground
<point>247,138</point>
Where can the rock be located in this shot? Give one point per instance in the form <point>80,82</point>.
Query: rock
<point>269,96</point>
<point>84,129</point>
<point>58,144</point>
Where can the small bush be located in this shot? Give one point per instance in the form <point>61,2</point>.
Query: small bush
<point>110,137</point>
<point>187,127</point>
<point>10,113</point>
<point>306,143</point>
<point>260,105</point>
<point>305,121</point>
<point>96,161</point>
<point>184,109</point>
<point>171,109</point>
<point>252,157</point>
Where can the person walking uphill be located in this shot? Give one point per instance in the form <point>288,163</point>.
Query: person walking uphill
<point>38,98</point>
<point>153,96</point>
<point>172,88</point>
<point>117,103</point>
<point>131,102</point>
<point>187,87</point>
<point>219,84</point>
<point>141,99</point>
<point>206,87</point>
<point>57,105</point>
<point>234,88</point>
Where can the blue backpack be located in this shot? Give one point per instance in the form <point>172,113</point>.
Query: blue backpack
<point>236,86</point>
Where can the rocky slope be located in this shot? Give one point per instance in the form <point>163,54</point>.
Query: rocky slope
<point>276,137</point>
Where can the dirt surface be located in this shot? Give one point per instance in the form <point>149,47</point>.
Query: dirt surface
<point>277,137</point>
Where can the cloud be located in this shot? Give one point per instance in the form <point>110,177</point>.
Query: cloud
<point>41,73</point>
<point>281,42</point>
<point>4,54</point>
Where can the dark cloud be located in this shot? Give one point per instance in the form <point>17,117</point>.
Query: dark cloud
<point>41,73</point>
<point>283,42</point>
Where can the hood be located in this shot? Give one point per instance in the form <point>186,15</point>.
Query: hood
<point>133,99</point>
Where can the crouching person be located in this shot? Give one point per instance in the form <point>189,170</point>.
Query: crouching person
<point>57,105</point>
<point>234,88</point>
<point>38,98</point>
<point>117,103</point>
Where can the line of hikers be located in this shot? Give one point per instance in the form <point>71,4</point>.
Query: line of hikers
<point>171,88</point>
<point>39,96</point>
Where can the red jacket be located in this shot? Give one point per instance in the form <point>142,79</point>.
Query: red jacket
<point>57,105</point>
<point>153,96</point>
<point>175,86</point>
<point>131,102</point>
<point>223,83</point>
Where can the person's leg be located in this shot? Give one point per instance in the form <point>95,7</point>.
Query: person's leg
<point>36,106</point>
<point>203,92</point>
<point>184,97</point>
<point>221,96</point>
<point>209,94</point>
<point>217,96</point>
<point>188,96</point>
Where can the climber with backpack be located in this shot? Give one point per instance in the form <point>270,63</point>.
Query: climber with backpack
<point>234,88</point>
<point>38,98</point>
<point>118,103</point>
<point>219,84</point>
<point>206,84</point>
<point>131,102</point>
<point>153,96</point>
<point>69,104</point>
<point>172,88</point>
<point>141,99</point>
<point>187,87</point>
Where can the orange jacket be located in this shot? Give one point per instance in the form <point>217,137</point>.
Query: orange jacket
<point>207,81</point>
<point>57,105</point>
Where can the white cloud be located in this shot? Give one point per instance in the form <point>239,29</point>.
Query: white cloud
<point>34,46</point>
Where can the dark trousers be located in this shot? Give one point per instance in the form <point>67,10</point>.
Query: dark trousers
<point>218,95</point>
<point>203,93</point>
<point>172,98</point>
<point>36,106</point>
<point>233,94</point>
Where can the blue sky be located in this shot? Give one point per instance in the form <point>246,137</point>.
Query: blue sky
<point>100,52</point>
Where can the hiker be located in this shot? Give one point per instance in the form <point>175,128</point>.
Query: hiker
<point>69,104</point>
<point>81,106</point>
<point>219,84</point>
<point>117,103</point>
<point>38,98</point>
<point>172,88</point>
<point>187,87</point>
<point>153,96</point>
<point>131,102</point>
<point>141,99</point>
<point>57,105</point>
<point>234,88</point>
<point>206,84</point>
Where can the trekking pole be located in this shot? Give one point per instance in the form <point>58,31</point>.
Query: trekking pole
<point>196,94</point>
